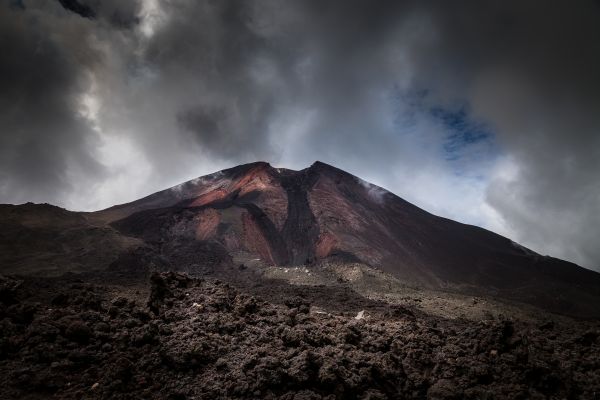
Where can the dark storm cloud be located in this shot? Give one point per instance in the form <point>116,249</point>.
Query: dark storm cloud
<point>217,50</point>
<point>180,88</point>
<point>43,139</point>
<point>252,63</point>
<point>123,14</point>
<point>79,8</point>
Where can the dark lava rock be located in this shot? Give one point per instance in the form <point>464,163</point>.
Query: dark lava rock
<point>102,327</point>
<point>298,303</point>
<point>120,302</point>
<point>547,326</point>
<point>444,389</point>
<point>8,289</point>
<point>78,332</point>
<point>204,339</point>
<point>60,299</point>
<point>588,338</point>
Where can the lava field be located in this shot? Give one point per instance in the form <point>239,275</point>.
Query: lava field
<point>177,337</point>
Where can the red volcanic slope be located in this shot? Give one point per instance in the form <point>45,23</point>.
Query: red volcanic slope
<point>287,217</point>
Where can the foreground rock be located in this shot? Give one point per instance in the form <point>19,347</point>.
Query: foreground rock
<point>203,339</point>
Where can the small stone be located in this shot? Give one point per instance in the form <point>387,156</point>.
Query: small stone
<point>119,302</point>
<point>78,332</point>
<point>131,323</point>
<point>360,315</point>
<point>221,364</point>
<point>102,327</point>
<point>548,325</point>
<point>95,386</point>
<point>60,299</point>
<point>589,337</point>
<point>443,389</point>
<point>493,353</point>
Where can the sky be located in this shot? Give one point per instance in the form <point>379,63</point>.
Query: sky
<point>485,112</point>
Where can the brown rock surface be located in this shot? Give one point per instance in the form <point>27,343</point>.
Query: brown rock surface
<point>205,339</point>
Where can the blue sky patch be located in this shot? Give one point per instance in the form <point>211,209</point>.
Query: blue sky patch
<point>466,144</point>
<point>466,141</point>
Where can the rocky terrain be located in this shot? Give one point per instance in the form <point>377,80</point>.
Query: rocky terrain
<point>182,338</point>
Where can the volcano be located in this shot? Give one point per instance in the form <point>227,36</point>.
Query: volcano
<point>255,214</point>
<point>284,217</point>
